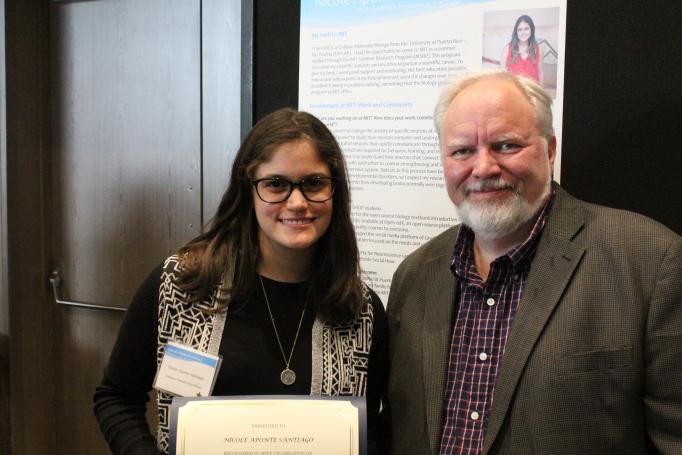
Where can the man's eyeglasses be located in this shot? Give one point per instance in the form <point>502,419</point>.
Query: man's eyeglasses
<point>277,189</point>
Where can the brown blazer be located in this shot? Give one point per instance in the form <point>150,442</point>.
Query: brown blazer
<point>593,363</point>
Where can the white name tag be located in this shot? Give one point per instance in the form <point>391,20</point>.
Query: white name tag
<point>187,372</point>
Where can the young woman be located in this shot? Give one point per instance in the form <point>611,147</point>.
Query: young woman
<point>273,286</point>
<point>523,55</point>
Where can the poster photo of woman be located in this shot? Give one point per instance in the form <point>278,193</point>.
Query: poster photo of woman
<point>523,42</point>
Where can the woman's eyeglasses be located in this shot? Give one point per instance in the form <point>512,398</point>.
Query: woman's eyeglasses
<point>277,189</point>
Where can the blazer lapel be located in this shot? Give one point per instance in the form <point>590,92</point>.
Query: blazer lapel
<point>438,313</point>
<point>555,262</point>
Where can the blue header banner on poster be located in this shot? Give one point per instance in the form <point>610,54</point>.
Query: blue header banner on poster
<point>340,13</point>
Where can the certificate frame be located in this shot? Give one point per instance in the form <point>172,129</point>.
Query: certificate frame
<point>359,403</point>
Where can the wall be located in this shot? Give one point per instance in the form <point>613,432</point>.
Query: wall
<point>623,104</point>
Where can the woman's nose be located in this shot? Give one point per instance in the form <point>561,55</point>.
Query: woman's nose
<point>296,199</point>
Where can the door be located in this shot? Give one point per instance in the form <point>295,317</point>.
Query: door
<point>125,119</point>
<point>142,120</point>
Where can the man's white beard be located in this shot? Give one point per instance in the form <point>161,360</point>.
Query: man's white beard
<point>493,220</point>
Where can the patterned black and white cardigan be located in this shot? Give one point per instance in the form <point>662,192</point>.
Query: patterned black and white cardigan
<point>340,353</point>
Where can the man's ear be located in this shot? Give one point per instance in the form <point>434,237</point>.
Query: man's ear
<point>551,152</point>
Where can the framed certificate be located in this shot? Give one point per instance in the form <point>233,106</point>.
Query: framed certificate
<point>268,425</point>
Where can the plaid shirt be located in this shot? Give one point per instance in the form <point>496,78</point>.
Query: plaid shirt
<point>485,311</point>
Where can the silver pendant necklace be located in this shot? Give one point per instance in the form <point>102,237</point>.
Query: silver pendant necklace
<point>287,376</point>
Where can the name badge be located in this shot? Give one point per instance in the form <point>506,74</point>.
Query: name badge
<point>187,372</point>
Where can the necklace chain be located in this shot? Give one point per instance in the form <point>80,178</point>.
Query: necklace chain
<point>287,380</point>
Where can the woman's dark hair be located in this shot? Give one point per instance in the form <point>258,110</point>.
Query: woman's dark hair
<point>333,288</point>
<point>533,47</point>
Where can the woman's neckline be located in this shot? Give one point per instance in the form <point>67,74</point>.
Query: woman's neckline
<point>279,281</point>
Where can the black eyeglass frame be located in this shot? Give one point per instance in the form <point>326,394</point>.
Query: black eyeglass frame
<point>293,185</point>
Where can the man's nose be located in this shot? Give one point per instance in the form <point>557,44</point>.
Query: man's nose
<point>485,163</point>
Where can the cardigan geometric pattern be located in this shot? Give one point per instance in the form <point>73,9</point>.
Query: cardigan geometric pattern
<point>340,353</point>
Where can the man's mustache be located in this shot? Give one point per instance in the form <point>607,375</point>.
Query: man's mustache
<point>489,185</point>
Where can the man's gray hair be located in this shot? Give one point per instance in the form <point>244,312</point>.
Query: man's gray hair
<point>536,95</point>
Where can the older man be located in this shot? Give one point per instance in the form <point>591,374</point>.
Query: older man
<point>542,324</point>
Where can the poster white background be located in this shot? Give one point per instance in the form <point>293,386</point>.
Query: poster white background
<point>372,70</point>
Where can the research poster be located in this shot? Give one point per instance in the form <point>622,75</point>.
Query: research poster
<point>372,70</point>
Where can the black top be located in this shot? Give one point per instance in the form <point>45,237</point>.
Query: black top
<point>252,360</point>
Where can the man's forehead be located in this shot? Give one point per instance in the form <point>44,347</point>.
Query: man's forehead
<point>491,91</point>
<point>495,100</point>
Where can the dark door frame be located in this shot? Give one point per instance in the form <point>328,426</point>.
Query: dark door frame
<point>28,206</point>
